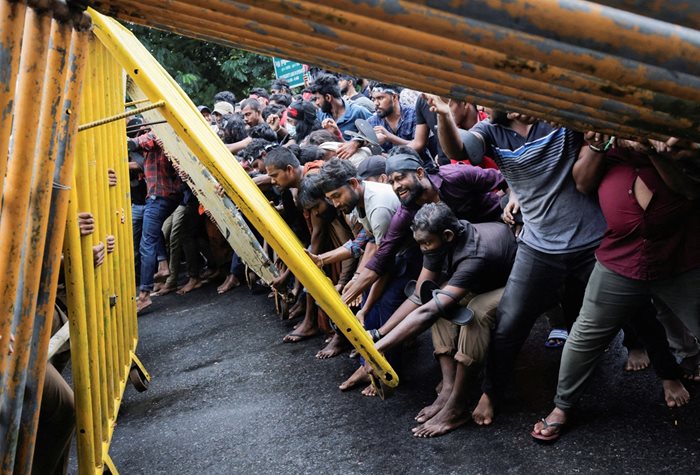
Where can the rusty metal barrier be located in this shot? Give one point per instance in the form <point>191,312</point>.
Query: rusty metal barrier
<point>43,43</point>
<point>522,55</point>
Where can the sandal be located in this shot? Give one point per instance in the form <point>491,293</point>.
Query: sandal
<point>556,339</point>
<point>559,429</point>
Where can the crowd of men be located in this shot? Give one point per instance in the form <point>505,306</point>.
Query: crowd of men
<point>435,213</point>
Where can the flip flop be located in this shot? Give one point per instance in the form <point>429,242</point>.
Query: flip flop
<point>560,426</point>
<point>459,316</point>
<point>556,339</point>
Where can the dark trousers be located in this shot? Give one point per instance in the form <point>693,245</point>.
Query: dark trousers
<point>531,290</point>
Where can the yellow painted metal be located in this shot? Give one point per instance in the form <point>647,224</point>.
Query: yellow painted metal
<point>30,327</point>
<point>102,306</point>
<point>183,116</point>
<point>16,190</point>
<point>223,211</point>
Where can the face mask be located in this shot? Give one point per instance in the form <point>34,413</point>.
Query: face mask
<point>291,129</point>
<point>436,256</point>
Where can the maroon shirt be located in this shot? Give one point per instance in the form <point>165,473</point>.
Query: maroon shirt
<point>466,189</point>
<point>650,244</point>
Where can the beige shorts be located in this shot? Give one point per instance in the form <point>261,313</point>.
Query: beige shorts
<point>468,344</point>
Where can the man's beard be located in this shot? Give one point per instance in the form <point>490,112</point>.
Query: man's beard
<point>326,107</point>
<point>344,91</point>
<point>386,112</point>
<point>413,194</point>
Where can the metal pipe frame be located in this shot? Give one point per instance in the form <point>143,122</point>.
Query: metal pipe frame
<point>62,180</point>
<point>348,36</point>
<point>28,324</point>
<point>679,12</point>
<point>183,116</point>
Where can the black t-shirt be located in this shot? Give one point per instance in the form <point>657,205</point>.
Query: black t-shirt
<point>425,116</point>
<point>294,217</point>
<point>480,259</point>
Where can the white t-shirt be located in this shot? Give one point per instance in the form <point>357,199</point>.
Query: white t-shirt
<point>381,204</point>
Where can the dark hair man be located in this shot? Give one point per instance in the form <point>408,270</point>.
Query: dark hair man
<point>225,96</point>
<point>562,229</point>
<point>476,260</point>
<point>333,106</point>
<point>375,204</point>
<point>393,123</point>
<point>348,89</point>
<point>280,86</point>
<point>260,95</point>
<point>465,189</point>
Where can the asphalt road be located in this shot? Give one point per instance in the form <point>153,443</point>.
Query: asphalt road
<point>228,397</point>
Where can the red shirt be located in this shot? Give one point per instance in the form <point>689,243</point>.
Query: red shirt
<point>161,178</point>
<point>650,244</point>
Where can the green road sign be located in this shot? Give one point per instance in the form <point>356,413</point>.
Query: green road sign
<point>291,71</point>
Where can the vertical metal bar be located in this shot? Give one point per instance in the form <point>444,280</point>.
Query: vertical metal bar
<point>63,177</point>
<point>99,181</point>
<point>91,199</point>
<point>13,220</point>
<point>90,276</point>
<point>11,27</point>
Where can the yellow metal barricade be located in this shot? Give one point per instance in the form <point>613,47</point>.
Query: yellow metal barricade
<point>43,45</point>
<point>101,298</point>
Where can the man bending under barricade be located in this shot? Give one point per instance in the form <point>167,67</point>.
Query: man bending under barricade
<point>467,190</point>
<point>375,204</point>
<point>464,264</point>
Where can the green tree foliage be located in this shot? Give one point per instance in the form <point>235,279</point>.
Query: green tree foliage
<point>202,68</point>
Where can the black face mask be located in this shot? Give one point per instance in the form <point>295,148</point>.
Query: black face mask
<point>436,257</point>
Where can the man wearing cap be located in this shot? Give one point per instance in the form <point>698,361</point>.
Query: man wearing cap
<point>220,110</point>
<point>467,190</point>
<point>469,264</point>
<point>206,113</point>
<point>393,123</point>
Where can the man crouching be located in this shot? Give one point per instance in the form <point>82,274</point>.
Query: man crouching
<point>465,267</point>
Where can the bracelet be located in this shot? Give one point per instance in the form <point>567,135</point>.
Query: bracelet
<point>596,149</point>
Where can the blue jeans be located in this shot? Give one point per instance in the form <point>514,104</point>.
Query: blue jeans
<point>152,245</point>
<point>137,225</point>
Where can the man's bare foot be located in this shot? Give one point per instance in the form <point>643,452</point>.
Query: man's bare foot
<point>691,369</point>
<point>193,283</point>
<point>483,413</point>
<point>637,360</point>
<point>446,420</point>
<point>335,346</point>
<point>675,393</point>
<point>162,290</point>
<point>369,391</point>
<point>358,377</point>
<point>549,428</point>
<point>429,411</point>
<point>163,272</point>
<point>230,283</point>
<point>142,303</point>
<point>297,309</point>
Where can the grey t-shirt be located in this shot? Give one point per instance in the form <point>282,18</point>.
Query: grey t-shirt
<point>557,217</point>
<point>380,205</point>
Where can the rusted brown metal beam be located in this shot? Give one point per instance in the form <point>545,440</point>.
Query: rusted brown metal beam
<point>679,12</point>
<point>432,78</point>
<point>587,25</point>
